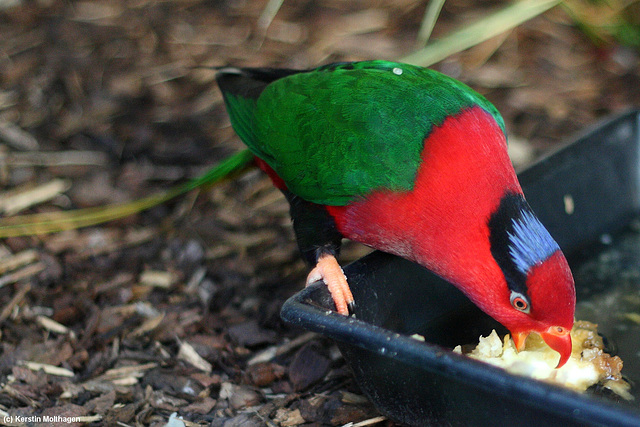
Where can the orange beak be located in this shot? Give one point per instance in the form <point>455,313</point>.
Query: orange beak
<point>519,338</point>
<point>556,337</point>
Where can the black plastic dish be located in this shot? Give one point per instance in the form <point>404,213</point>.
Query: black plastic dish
<point>590,187</point>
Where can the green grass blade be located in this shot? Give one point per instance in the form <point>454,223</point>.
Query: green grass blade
<point>429,21</point>
<point>53,222</point>
<point>481,30</point>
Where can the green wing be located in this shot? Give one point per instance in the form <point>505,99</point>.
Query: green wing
<point>343,130</point>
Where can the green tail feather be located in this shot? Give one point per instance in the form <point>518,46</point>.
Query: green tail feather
<point>43,223</point>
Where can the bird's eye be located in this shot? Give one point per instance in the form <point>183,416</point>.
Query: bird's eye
<point>520,302</point>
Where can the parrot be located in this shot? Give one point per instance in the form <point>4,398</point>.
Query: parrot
<point>409,161</point>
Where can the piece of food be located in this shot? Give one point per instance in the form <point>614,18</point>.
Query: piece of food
<point>587,366</point>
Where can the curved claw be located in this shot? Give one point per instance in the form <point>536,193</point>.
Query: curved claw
<point>328,270</point>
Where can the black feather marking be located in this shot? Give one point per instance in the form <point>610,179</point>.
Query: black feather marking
<point>518,240</point>
<point>316,231</point>
<point>249,82</point>
<point>337,66</point>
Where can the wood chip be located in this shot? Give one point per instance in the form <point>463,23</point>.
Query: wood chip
<point>264,374</point>
<point>58,158</point>
<point>177,421</point>
<point>250,333</point>
<point>195,280</point>
<point>278,350</point>
<point>15,203</point>
<point>120,280</point>
<point>51,325</point>
<point>202,407</point>
<point>370,421</point>
<point>102,403</point>
<point>215,35</point>
<point>158,279</point>
<point>365,21</point>
<point>47,369</point>
<point>135,371</point>
<point>288,418</point>
<point>18,260</point>
<point>17,298</point>
<point>114,243</point>
<point>17,137</point>
<point>8,98</point>
<point>287,32</point>
<point>23,273</point>
<point>89,11</point>
<point>147,326</point>
<point>189,355</point>
<point>19,396</point>
<point>352,398</point>
<point>239,396</point>
<point>126,381</point>
<point>308,366</point>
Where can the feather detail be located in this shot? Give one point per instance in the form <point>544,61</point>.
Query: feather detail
<point>336,133</point>
<point>530,242</point>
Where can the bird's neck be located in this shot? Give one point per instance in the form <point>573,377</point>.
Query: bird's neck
<point>442,223</point>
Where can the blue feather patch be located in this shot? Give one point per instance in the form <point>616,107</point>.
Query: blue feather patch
<point>530,242</point>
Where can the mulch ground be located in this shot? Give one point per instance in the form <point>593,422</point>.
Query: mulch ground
<point>176,310</point>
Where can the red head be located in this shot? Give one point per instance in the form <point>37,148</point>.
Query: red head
<point>537,294</point>
<point>514,271</point>
<point>552,305</point>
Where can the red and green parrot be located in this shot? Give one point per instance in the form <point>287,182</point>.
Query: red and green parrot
<point>411,162</point>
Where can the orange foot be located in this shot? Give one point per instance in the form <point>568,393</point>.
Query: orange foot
<point>328,270</point>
